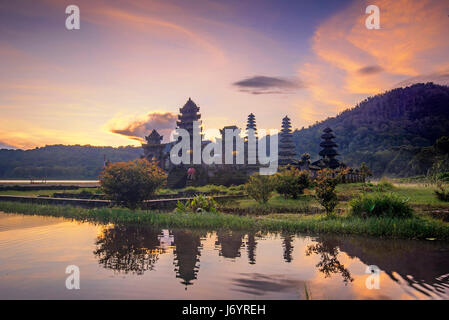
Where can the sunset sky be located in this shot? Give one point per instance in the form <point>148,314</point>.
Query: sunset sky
<point>133,64</point>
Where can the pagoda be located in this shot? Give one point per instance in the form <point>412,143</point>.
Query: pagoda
<point>286,145</point>
<point>251,148</point>
<point>189,113</point>
<point>328,153</point>
<point>154,149</point>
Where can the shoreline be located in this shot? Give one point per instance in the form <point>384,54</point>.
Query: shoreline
<point>416,227</point>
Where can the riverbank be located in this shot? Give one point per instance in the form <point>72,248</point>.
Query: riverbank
<point>417,227</point>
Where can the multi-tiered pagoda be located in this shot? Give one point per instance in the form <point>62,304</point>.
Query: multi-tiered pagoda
<point>251,133</point>
<point>189,113</point>
<point>328,153</point>
<point>286,146</point>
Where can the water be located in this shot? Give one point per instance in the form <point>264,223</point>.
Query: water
<point>131,262</point>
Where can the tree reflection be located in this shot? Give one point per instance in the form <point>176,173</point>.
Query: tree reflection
<point>329,263</point>
<point>187,255</point>
<point>128,248</point>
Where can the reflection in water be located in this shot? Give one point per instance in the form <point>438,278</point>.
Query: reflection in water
<point>416,266</point>
<point>251,245</point>
<point>187,255</point>
<point>422,265</point>
<point>288,246</point>
<point>231,243</point>
<point>128,248</point>
<point>259,284</point>
<point>329,264</point>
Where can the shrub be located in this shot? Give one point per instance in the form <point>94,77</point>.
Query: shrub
<point>260,187</point>
<point>442,192</point>
<point>291,182</point>
<point>384,185</point>
<point>198,204</point>
<point>325,184</point>
<point>129,183</point>
<point>381,205</point>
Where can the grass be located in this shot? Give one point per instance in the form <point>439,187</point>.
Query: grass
<point>412,228</point>
<point>46,192</point>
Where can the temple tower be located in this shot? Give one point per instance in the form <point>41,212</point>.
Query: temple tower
<point>188,114</point>
<point>286,145</point>
<point>153,149</point>
<point>328,153</point>
<point>251,148</point>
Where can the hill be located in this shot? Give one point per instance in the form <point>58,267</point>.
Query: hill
<point>61,161</point>
<point>387,131</point>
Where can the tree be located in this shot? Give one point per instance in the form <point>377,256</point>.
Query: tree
<point>291,182</point>
<point>260,187</point>
<point>129,183</point>
<point>365,171</point>
<point>326,182</point>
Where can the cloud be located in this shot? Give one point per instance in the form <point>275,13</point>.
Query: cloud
<point>4,145</point>
<point>349,61</point>
<point>368,70</point>
<point>137,129</point>
<point>441,77</point>
<point>268,85</point>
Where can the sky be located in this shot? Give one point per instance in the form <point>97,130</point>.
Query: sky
<point>133,64</point>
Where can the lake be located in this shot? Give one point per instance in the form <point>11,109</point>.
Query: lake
<point>136,262</point>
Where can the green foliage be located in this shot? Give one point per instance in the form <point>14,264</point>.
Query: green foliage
<point>387,131</point>
<point>61,161</point>
<point>365,170</point>
<point>415,227</point>
<point>129,183</point>
<point>381,205</point>
<point>325,184</point>
<point>199,203</point>
<point>442,192</point>
<point>291,182</point>
<point>384,185</point>
<point>260,187</point>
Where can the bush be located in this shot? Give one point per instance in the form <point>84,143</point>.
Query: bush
<point>129,183</point>
<point>384,185</point>
<point>198,204</point>
<point>381,205</point>
<point>325,184</point>
<point>260,187</point>
<point>291,182</point>
<point>442,192</point>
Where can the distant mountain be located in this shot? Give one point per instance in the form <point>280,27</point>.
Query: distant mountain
<point>62,162</point>
<point>387,130</point>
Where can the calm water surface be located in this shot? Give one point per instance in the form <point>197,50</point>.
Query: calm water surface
<point>132,262</point>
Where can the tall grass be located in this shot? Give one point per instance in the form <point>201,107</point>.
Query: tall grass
<point>381,205</point>
<point>414,227</point>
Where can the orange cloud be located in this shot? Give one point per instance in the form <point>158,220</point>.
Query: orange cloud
<point>412,41</point>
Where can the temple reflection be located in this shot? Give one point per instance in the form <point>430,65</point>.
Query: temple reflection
<point>229,243</point>
<point>137,249</point>
<point>251,245</point>
<point>187,255</point>
<point>287,245</point>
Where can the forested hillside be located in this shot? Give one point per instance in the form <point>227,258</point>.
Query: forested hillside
<point>386,131</point>
<point>62,162</point>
